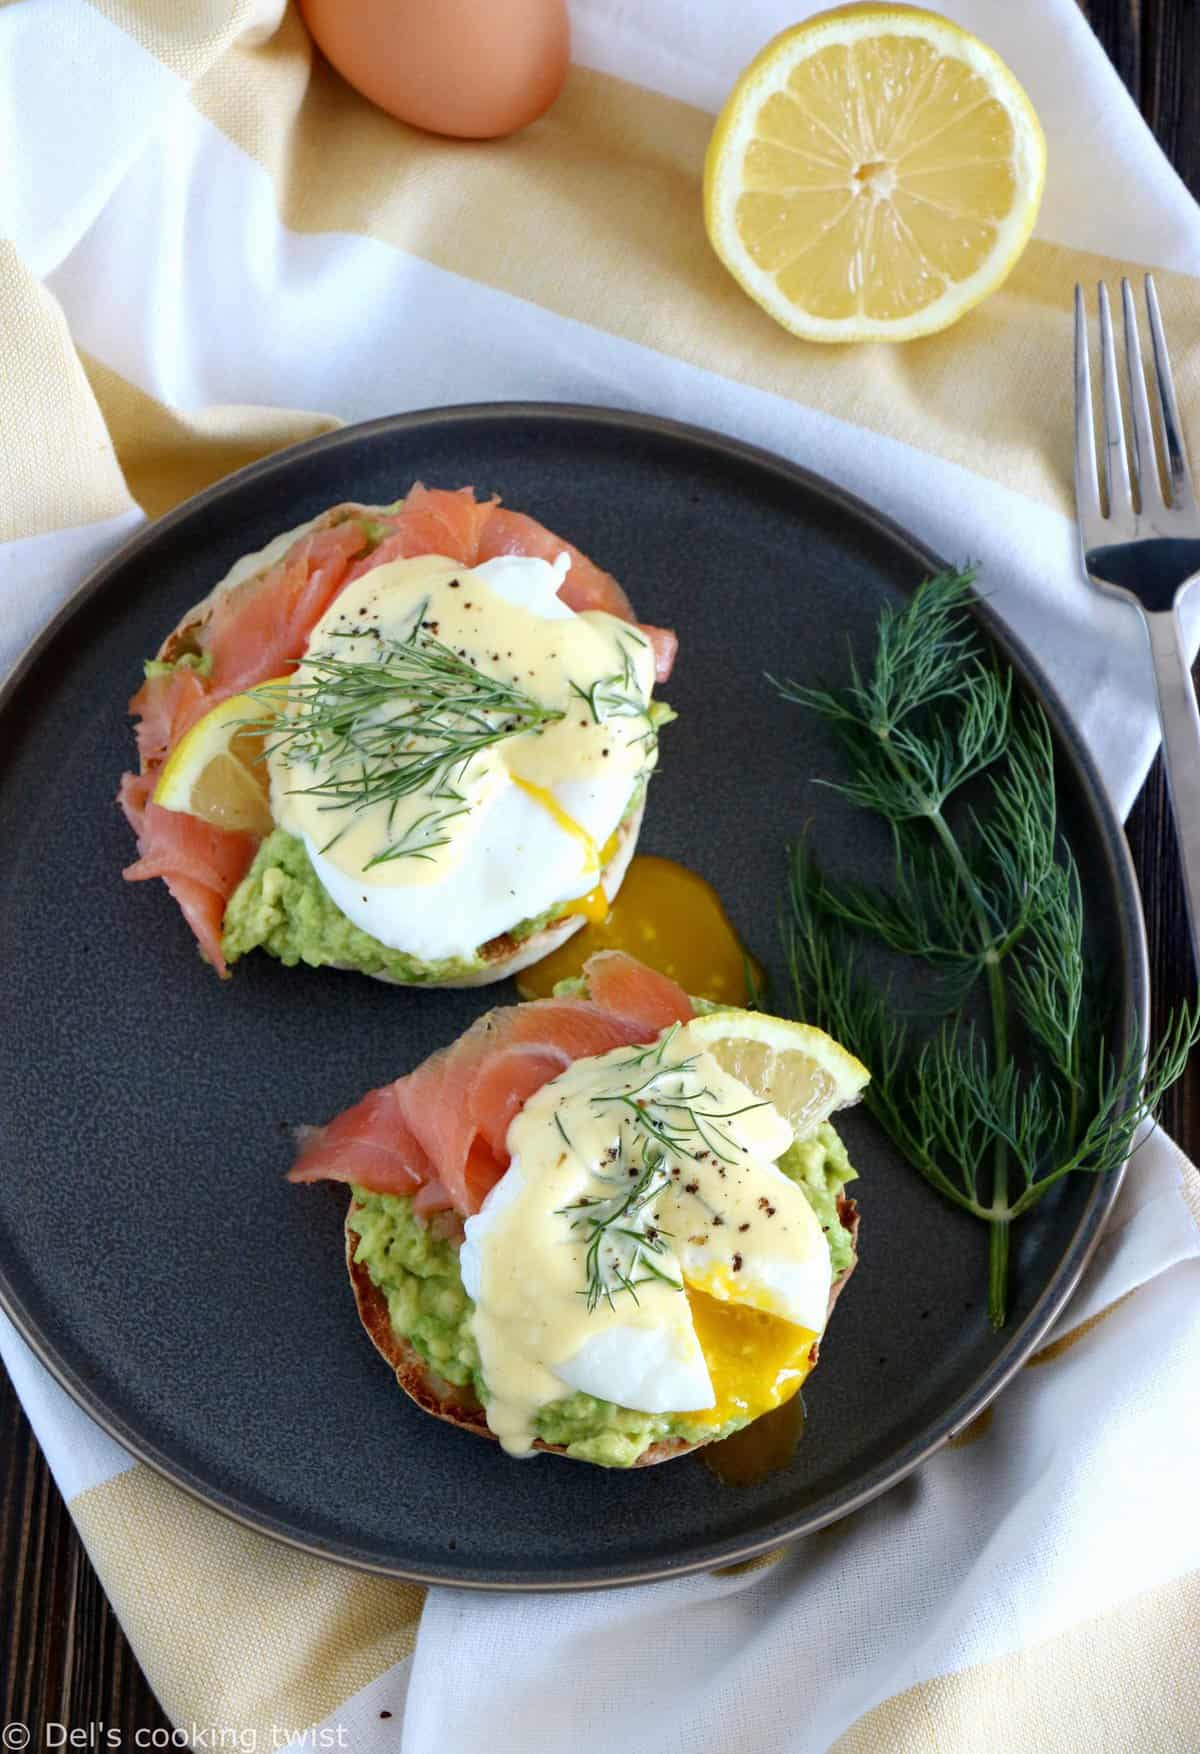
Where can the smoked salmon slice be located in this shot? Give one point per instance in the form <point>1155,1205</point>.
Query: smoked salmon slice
<point>443,1128</point>
<point>168,706</point>
<point>432,521</point>
<point>585,587</point>
<point>623,984</point>
<point>200,864</point>
<point>373,1144</point>
<point>260,629</point>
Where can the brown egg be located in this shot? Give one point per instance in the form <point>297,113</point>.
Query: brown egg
<point>471,68</point>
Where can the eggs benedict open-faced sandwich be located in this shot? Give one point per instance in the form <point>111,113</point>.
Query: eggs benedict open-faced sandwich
<point>601,1224</point>
<point>410,740</point>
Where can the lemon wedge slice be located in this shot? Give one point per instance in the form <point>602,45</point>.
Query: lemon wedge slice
<point>802,1071</point>
<point>875,172</point>
<point>216,771</point>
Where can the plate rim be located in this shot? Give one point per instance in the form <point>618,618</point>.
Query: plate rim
<point>1021,1343</point>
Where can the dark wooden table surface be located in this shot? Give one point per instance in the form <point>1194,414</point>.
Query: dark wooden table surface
<point>62,1655</point>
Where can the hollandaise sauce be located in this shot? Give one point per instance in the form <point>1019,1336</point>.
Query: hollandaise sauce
<point>459,747</point>
<point>645,1248</point>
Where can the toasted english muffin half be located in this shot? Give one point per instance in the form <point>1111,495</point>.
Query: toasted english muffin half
<point>502,956</point>
<point>460,1406</point>
<point>184,636</point>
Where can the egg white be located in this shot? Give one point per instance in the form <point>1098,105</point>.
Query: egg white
<point>519,862</point>
<point>662,1369</point>
<point>477,1228</point>
<point>650,1370</point>
<point>528,582</point>
<point>772,1278</point>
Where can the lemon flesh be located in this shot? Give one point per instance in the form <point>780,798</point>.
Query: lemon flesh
<point>802,1071</point>
<point>875,172</point>
<point>217,771</point>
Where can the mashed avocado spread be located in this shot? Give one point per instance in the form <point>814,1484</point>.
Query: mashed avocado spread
<point>418,1273</point>
<point>280,906</point>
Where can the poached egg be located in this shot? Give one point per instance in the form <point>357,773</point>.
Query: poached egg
<point>523,824</point>
<point>645,1248</point>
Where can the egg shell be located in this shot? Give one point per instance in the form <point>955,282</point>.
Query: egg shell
<point>473,69</point>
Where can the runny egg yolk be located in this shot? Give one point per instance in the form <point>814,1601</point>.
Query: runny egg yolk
<point>545,797</point>
<point>593,905</point>
<point>756,1361</point>
<point>670,919</point>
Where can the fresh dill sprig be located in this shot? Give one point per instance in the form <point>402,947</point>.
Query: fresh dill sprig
<point>674,1121</point>
<point>986,894</point>
<point>407,721</point>
<point>622,1247</point>
<point>663,1122</point>
<point>755,981</point>
<point>619,695</point>
<point>616,696</point>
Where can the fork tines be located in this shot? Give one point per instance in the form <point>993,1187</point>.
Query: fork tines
<point>1131,484</point>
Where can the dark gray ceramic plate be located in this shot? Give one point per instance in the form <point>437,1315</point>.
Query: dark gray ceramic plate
<point>150,1250</point>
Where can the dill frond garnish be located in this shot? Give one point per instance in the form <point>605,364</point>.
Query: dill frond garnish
<point>407,721</point>
<point>986,894</point>
<point>666,1120</point>
<point>619,696</point>
<point>622,1245</point>
<point>675,1122</point>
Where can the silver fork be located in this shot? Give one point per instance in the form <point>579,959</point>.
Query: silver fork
<point>1147,548</point>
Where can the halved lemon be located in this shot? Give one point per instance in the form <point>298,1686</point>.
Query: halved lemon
<point>875,172</point>
<point>217,772</point>
<point>795,1066</point>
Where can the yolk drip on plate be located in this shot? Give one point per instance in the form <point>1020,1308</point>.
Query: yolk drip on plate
<point>758,1449</point>
<point>756,1361</point>
<point>667,917</point>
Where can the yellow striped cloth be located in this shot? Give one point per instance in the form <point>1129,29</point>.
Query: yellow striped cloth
<point>204,233</point>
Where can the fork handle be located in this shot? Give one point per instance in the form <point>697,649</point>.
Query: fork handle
<point>1181,750</point>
